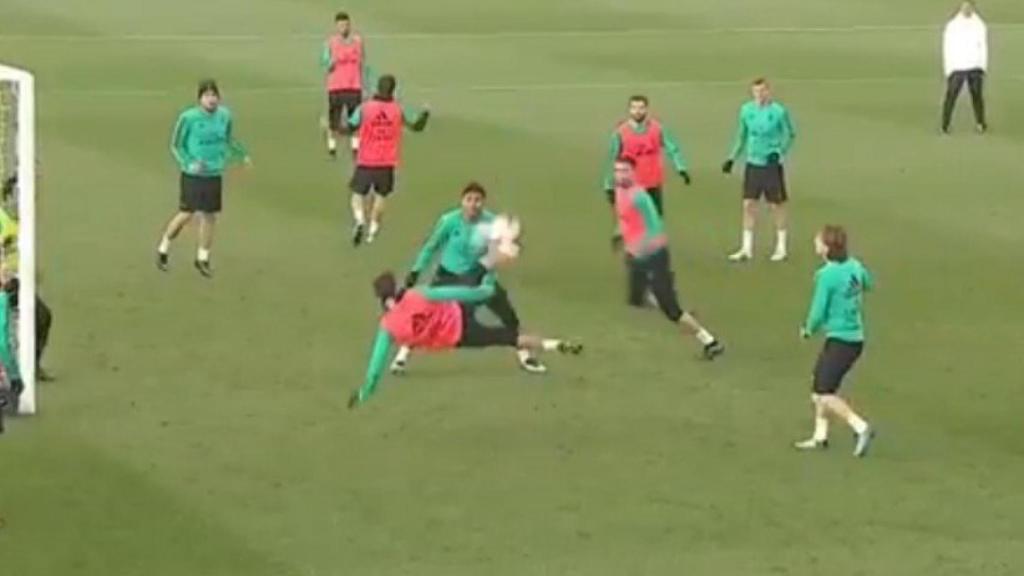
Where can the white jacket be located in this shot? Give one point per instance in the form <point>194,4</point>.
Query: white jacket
<point>965,44</point>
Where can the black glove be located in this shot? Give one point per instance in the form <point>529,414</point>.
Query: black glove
<point>353,400</point>
<point>773,159</point>
<point>411,278</point>
<point>727,166</point>
<point>617,242</point>
<point>610,194</point>
<point>685,176</point>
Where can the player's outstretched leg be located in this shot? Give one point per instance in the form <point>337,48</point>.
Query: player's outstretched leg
<point>376,215</point>
<point>541,344</point>
<point>401,361</point>
<point>173,228</point>
<point>664,290</point>
<point>358,204</point>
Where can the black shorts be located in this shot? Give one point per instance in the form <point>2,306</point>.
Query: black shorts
<point>654,273</point>
<point>476,335</point>
<point>655,194</point>
<point>200,194</point>
<point>768,182</point>
<point>378,179</point>
<point>444,277</point>
<point>835,360</point>
<point>341,105</point>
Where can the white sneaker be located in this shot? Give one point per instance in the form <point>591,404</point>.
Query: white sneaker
<point>740,256</point>
<point>811,444</point>
<point>398,367</point>
<point>532,365</point>
<point>779,256</point>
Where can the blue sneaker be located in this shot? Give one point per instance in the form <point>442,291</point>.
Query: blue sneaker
<point>863,442</point>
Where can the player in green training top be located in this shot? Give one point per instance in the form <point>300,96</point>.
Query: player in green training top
<point>765,130</point>
<point>460,237</point>
<point>203,144</point>
<point>836,308</point>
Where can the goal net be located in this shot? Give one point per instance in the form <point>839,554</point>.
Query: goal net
<point>17,225</point>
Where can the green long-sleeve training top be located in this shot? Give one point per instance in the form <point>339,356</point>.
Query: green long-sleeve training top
<point>205,137</point>
<point>763,131</point>
<point>838,300</point>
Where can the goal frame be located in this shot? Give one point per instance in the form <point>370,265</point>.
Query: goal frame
<point>25,168</point>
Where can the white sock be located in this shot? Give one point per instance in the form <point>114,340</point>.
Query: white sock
<point>548,344</point>
<point>780,241</point>
<point>355,142</point>
<point>357,211</point>
<point>857,423</point>
<point>374,227</point>
<point>403,354</point>
<point>332,144</point>
<point>748,242</point>
<point>705,337</point>
<point>820,429</point>
<point>165,245</point>
<point>203,255</point>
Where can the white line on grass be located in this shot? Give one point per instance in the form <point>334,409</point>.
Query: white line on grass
<point>497,35</point>
<point>537,87</point>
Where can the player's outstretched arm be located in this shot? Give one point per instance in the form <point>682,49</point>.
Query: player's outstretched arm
<point>608,182</point>
<point>178,138</point>
<point>415,121</point>
<point>7,357</point>
<point>819,305</point>
<point>738,143</point>
<point>466,294</point>
<point>675,153</point>
<point>378,360</point>
<point>438,237</point>
<point>237,151</point>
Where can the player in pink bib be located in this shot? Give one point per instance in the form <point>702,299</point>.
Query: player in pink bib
<point>644,140</point>
<point>439,318</point>
<point>347,76</point>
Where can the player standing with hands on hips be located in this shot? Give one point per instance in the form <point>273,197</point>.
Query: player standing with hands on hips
<point>643,140</point>
<point>766,132</point>
<point>837,307</point>
<point>965,58</point>
<point>203,144</point>
<point>344,62</point>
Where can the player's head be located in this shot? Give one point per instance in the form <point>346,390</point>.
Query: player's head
<point>761,90</point>
<point>624,168</point>
<point>385,288</point>
<point>638,107</point>
<point>474,196</point>
<point>208,94</point>
<point>386,85</point>
<point>830,243</point>
<point>342,23</point>
<point>967,8</point>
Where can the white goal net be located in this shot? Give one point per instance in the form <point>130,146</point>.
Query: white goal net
<point>17,222</point>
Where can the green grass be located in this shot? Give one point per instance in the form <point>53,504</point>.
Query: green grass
<point>199,427</point>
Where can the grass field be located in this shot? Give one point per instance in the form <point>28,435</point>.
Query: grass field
<point>200,427</point>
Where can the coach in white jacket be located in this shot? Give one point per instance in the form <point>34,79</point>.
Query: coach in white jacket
<point>965,58</point>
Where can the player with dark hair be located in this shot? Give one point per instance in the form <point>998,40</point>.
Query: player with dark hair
<point>460,236</point>
<point>642,234</point>
<point>380,123</point>
<point>765,130</point>
<point>343,60</point>
<point>836,307</point>
<point>643,139</point>
<point>439,318</point>
<point>203,144</point>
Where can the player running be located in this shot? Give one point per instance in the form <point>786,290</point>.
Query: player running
<point>643,139</point>
<point>343,60</point>
<point>642,233</point>
<point>439,318</point>
<point>380,123</point>
<point>458,236</point>
<point>837,307</point>
<point>203,144</point>
<point>765,130</point>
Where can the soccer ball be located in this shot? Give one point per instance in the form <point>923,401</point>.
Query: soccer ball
<point>503,233</point>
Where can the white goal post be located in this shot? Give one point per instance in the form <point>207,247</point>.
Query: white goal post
<point>18,158</point>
